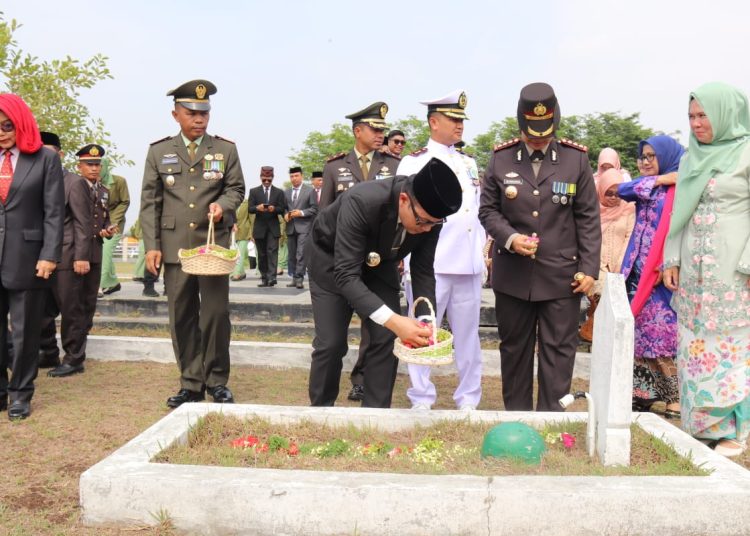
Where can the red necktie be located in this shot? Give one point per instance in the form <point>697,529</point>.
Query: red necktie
<point>6,176</point>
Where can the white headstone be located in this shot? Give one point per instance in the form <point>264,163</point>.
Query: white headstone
<point>612,372</point>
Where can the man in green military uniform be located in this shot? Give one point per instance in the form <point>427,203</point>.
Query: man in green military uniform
<point>189,178</point>
<point>119,201</point>
<point>242,236</point>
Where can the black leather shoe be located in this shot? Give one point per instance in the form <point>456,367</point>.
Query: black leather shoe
<point>112,290</point>
<point>48,361</point>
<point>263,284</point>
<point>150,292</point>
<point>185,395</point>
<point>272,283</point>
<point>221,394</point>
<point>19,410</point>
<point>357,393</point>
<point>65,370</point>
<point>4,402</point>
<point>137,280</point>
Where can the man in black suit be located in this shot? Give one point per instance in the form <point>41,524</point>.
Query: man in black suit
<point>302,207</point>
<point>353,252</point>
<point>267,203</point>
<point>79,273</point>
<point>75,256</point>
<point>31,193</point>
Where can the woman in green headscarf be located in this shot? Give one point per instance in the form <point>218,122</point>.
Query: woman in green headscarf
<point>707,265</point>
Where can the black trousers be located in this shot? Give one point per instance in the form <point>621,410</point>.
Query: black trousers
<point>332,314</point>
<point>25,308</point>
<point>48,339</point>
<point>267,249</point>
<point>200,326</point>
<point>521,323</point>
<point>75,300</point>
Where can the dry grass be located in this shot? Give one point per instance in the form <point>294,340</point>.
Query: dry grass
<point>78,421</point>
<point>325,448</point>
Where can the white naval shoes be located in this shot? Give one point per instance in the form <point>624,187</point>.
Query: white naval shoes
<point>421,407</point>
<point>467,407</point>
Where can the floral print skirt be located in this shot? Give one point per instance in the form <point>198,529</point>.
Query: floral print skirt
<point>655,380</point>
<point>714,374</point>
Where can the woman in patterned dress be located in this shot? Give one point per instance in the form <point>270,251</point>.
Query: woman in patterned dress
<point>654,371</point>
<point>707,264</point>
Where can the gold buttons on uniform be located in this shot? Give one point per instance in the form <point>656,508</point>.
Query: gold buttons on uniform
<point>192,188</point>
<point>192,169</point>
<point>169,170</point>
<point>192,224</point>
<point>532,256</point>
<point>535,213</point>
<point>535,192</point>
<point>192,205</point>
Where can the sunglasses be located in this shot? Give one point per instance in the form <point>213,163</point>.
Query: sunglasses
<point>399,142</point>
<point>421,221</point>
<point>7,126</point>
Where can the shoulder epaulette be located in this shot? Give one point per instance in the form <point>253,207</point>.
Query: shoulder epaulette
<point>506,144</point>
<point>224,139</point>
<point>419,151</point>
<point>336,157</point>
<point>571,143</point>
<point>161,140</point>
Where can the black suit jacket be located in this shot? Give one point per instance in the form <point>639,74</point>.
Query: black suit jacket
<point>307,203</point>
<point>31,219</point>
<point>359,223</point>
<point>266,221</point>
<point>78,221</point>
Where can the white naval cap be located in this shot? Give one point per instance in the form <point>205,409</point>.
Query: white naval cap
<point>453,104</point>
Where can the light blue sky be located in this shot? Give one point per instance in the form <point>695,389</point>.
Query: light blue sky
<point>287,67</point>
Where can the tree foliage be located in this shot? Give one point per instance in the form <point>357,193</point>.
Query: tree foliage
<point>52,90</point>
<point>416,131</point>
<point>318,146</point>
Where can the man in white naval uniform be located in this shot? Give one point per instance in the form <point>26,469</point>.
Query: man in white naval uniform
<point>458,258</point>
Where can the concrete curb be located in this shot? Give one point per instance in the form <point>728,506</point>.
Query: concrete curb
<point>268,354</point>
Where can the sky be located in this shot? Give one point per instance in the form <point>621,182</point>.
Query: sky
<point>286,68</point>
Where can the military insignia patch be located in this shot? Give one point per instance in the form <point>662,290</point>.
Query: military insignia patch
<point>575,145</point>
<point>540,109</point>
<point>94,151</point>
<point>505,144</point>
<point>419,151</point>
<point>336,157</point>
<point>170,180</point>
<point>511,175</point>
<point>383,110</point>
<point>213,168</point>
<point>373,259</point>
<point>462,100</point>
<point>200,91</point>
<point>511,192</point>
<point>169,159</point>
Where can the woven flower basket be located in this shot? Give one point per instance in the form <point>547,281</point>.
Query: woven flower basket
<point>440,353</point>
<point>209,259</point>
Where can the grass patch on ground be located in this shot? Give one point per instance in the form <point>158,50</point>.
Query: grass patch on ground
<point>77,421</point>
<point>444,448</point>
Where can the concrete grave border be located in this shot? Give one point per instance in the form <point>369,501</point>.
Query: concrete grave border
<point>127,489</point>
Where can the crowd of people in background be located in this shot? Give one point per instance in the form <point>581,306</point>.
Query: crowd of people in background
<point>538,227</point>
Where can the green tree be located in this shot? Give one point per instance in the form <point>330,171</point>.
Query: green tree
<point>596,131</point>
<point>319,146</point>
<point>52,90</point>
<point>416,131</point>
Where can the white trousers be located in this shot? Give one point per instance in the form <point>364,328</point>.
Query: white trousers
<point>460,297</point>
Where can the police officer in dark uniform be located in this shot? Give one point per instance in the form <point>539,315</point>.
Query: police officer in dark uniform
<point>354,250</point>
<point>188,178</point>
<point>76,284</point>
<point>342,171</point>
<point>539,204</point>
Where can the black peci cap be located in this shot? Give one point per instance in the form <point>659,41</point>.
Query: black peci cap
<point>437,189</point>
<point>317,174</point>
<point>295,169</point>
<point>49,138</point>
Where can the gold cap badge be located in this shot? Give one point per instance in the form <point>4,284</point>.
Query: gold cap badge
<point>383,110</point>
<point>540,109</point>
<point>462,100</point>
<point>94,151</point>
<point>200,91</point>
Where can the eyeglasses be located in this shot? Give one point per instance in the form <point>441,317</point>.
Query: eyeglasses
<point>647,157</point>
<point>399,142</point>
<point>7,126</point>
<point>610,194</point>
<point>421,221</point>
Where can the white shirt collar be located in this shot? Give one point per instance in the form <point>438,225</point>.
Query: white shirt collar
<point>439,148</point>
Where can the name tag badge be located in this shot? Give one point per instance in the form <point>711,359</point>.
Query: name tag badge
<point>517,182</point>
